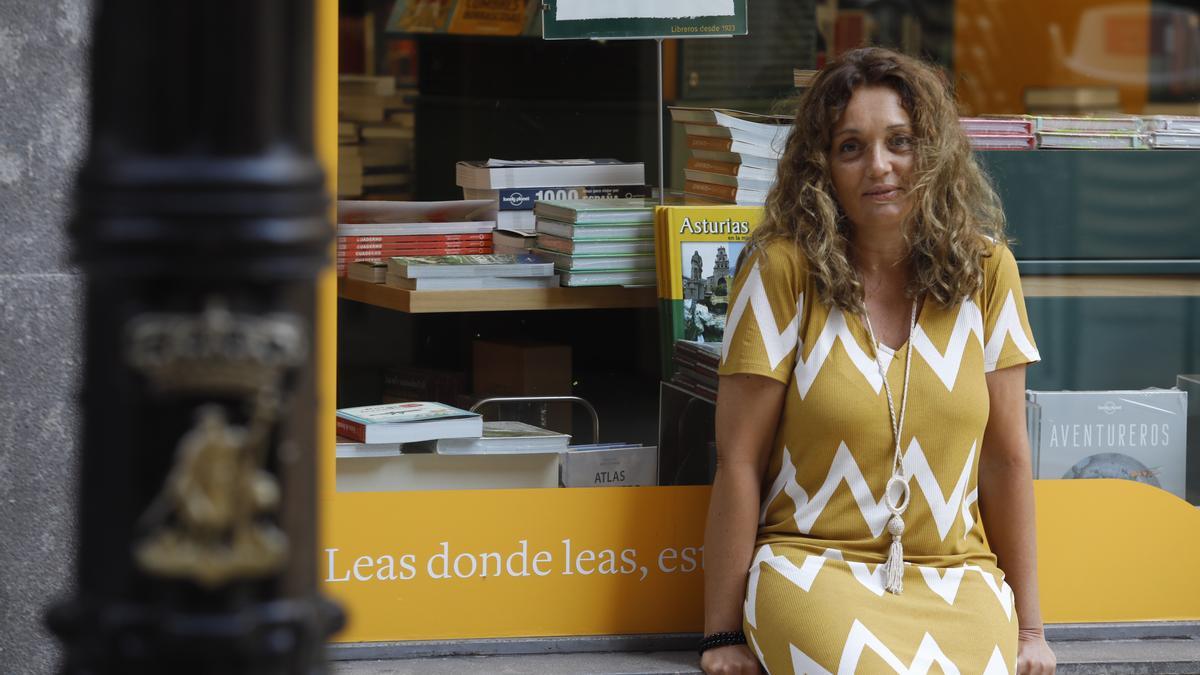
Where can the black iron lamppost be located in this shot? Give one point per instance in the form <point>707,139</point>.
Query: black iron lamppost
<point>200,227</point>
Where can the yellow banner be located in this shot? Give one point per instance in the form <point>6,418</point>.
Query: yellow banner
<point>508,563</point>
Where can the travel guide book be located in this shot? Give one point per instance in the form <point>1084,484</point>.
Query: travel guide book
<point>407,423</point>
<point>698,249</point>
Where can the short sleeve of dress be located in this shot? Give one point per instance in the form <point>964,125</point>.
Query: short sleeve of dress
<point>764,314</point>
<point>1008,338</point>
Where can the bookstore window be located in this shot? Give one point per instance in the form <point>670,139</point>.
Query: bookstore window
<point>1081,113</point>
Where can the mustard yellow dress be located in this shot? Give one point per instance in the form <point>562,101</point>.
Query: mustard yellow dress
<point>815,600</point>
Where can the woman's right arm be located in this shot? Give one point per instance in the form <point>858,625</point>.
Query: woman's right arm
<point>748,409</point>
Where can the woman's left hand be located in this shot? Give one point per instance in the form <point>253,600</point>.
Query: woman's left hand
<point>1033,654</point>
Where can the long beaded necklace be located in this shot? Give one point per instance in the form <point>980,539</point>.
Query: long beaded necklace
<point>893,569</point>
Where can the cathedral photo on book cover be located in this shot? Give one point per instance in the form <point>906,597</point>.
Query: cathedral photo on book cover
<point>710,268</point>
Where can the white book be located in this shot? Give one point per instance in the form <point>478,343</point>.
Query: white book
<point>1091,141</point>
<point>506,437</point>
<point>471,283</point>
<point>1110,124</point>
<point>595,247</point>
<point>1174,139</point>
<point>621,278</point>
<point>574,231</point>
<point>1176,123</point>
<point>604,263</point>
<point>496,174</point>
<point>493,265</point>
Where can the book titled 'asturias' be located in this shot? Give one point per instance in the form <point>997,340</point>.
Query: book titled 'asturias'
<point>407,423</point>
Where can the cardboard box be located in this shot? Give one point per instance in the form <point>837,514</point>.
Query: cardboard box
<point>525,368</point>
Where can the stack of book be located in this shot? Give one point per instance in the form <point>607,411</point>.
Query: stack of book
<point>378,230</point>
<point>598,242</point>
<point>1000,132</point>
<point>734,155</point>
<point>375,137</point>
<point>696,367</point>
<point>513,187</point>
<point>1112,132</point>
<point>469,272</point>
<point>1172,131</point>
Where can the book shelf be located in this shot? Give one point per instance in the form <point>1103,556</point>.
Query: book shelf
<point>499,300</point>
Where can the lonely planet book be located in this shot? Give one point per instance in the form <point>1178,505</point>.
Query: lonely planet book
<point>1136,435</point>
<point>407,423</point>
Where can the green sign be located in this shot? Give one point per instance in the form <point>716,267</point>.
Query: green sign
<point>622,19</point>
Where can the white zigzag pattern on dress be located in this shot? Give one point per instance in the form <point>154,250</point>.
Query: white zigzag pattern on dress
<point>947,366</point>
<point>785,480</point>
<point>999,588</point>
<point>1007,324</point>
<point>778,343</point>
<point>748,609</point>
<point>874,512</point>
<point>996,664</point>
<point>947,585</point>
<point>835,328</point>
<point>944,511</point>
<point>861,638</point>
<point>803,664</point>
<point>968,519</point>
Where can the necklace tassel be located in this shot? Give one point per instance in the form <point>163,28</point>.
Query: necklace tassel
<point>893,569</point>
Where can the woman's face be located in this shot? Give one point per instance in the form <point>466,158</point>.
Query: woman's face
<point>871,159</point>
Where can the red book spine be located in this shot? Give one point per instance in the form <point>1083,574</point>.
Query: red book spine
<point>721,191</point>
<point>726,168</point>
<point>415,247</point>
<point>355,431</point>
<point>709,143</point>
<point>412,238</point>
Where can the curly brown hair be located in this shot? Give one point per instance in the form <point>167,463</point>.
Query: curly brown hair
<point>956,216</point>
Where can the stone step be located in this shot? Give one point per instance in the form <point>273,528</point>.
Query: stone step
<point>1160,648</point>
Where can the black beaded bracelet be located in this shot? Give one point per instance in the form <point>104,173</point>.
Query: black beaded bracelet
<point>729,637</point>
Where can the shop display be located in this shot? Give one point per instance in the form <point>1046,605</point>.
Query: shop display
<point>1134,435</point>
